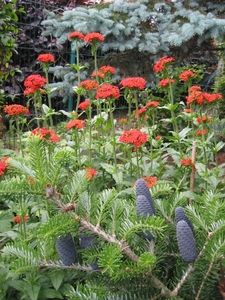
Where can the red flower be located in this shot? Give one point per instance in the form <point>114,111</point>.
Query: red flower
<point>188,111</point>
<point>139,112</point>
<point>18,219</point>
<point>16,110</point>
<point>185,75</point>
<point>165,82</point>
<point>3,166</point>
<point>79,124</point>
<point>84,105</point>
<point>212,97</point>
<point>203,119</point>
<point>187,162</point>
<point>46,58</point>
<point>133,136</point>
<point>33,83</point>
<point>103,71</point>
<point>158,137</point>
<point>198,97</point>
<point>108,91</point>
<point>150,181</point>
<point>161,63</point>
<point>76,35</point>
<point>93,37</point>
<point>152,103</point>
<point>200,132</point>
<point>46,134</point>
<point>133,83</point>
<point>90,173</point>
<point>89,84</point>
<point>123,121</point>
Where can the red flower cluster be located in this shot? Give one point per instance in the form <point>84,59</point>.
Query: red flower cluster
<point>197,96</point>
<point>89,84</point>
<point>152,103</point>
<point>185,75</point>
<point>161,63</point>
<point>16,110</point>
<point>103,71</point>
<point>46,134</point>
<point>76,35</point>
<point>150,181</point>
<point>188,111</point>
<point>187,162</point>
<point>34,83</point>
<point>204,119</point>
<point>123,121</point>
<point>166,81</point>
<point>133,136</point>
<point>133,83</point>
<point>90,173</point>
<point>84,105</point>
<point>200,132</point>
<point>139,112</point>
<point>46,58</point>
<point>18,219</point>
<point>79,124</point>
<point>93,37</point>
<point>158,137</point>
<point>108,91</point>
<point>3,166</point>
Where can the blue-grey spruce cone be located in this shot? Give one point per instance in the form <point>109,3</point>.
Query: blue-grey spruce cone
<point>86,242</point>
<point>144,208</point>
<point>180,215</point>
<point>186,242</point>
<point>141,188</point>
<point>66,249</point>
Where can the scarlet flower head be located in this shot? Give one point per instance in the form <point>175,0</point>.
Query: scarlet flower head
<point>34,83</point>
<point>166,82</point>
<point>188,111</point>
<point>201,132</point>
<point>90,173</point>
<point>161,63</point>
<point>150,181</point>
<point>76,35</point>
<point>123,121</point>
<point>134,137</point>
<point>93,37</point>
<point>133,83</point>
<point>185,75</point>
<point>107,70</point>
<point>139,112</point>
<point>45,134</point>
<point>187,162</point>
<point>89,84</point>
<point>46,58</point>
<point>84,105</point>
<point>78,124</point>
<point>108,91</point>
<point>197,96</point>
<point>152,104</point>
<point>204,119</point>
<point>158,137</point>
<point>3,166</point>
<point>18,219</point>
<point>16,110</point>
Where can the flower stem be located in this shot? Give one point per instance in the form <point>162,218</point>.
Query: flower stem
<point>19,136</point>
<point>48,95</point>
<point>78,73</point>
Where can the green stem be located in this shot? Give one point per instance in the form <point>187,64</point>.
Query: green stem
<point>48,95</point>
<point>19,136</point>
<point>113,135</point>
<point>129,113</point>
<point>90,135</point>
<point>137,161</point>
<point>136,105</point>
<point>78,73</point>
<point>36,111</point>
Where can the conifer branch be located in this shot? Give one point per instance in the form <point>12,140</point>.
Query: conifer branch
<point>204,279</point>
<point>182,281</point>
<point>59,265</point>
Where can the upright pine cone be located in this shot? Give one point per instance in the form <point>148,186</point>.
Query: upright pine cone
<point>87,242</point>
<point>180,215</point>
<point>186,242</point>
<point>141,188</point>
<point>66,249</point>
<point>144,208</point>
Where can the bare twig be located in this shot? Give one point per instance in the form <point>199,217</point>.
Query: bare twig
<point>182,281</point>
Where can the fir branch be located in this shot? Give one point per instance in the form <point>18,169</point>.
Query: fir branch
<point>204,279</point>
<point>182,281</point>
<point>58,265</point>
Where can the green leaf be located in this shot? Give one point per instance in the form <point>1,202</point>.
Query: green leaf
<point>33,290</point>
<point>57,278</point>
<point>49,294</point>
<point>5,220</point>
<point>146,260</point>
